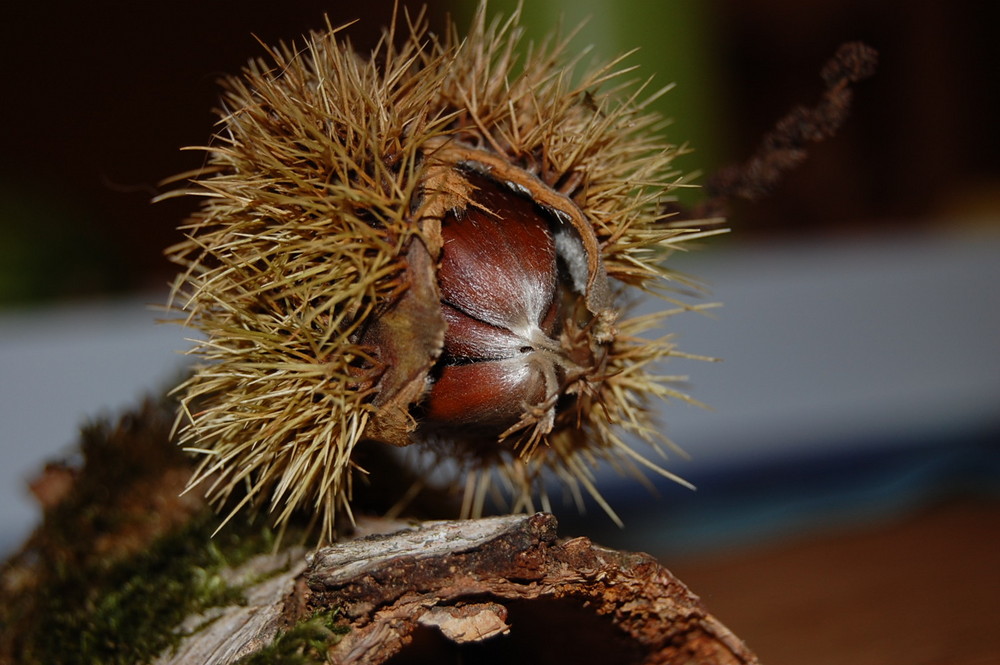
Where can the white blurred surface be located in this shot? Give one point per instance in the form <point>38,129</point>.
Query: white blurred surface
<point>62,367</point>
<point>825,343</point>
<point>888,339</point>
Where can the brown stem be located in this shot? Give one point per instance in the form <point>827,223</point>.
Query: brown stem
<point>785,146</point>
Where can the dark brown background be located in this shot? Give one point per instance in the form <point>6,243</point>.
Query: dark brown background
<point>100,96</point>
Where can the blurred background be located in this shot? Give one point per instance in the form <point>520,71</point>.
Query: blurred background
<point>849,473</point>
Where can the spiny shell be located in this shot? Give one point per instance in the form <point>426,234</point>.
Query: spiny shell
<point>312,266</point>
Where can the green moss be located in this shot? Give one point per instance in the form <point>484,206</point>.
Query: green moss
<point>121,560</point>
<point>304,644</point>
<point>126,612</point>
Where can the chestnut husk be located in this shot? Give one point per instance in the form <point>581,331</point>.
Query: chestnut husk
<point>317,270</point>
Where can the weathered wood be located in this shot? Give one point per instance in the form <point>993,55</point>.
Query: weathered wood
<point>224,635</point>
<point>502,589</point>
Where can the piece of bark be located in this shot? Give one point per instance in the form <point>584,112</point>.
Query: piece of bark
<point>500,589</point>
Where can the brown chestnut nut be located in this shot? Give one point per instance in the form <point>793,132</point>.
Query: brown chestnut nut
<point>499,285</point>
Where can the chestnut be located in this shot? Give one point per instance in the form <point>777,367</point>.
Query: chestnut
<point>500,295</point>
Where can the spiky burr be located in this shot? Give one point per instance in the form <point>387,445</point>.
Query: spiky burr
<point>429,245</point>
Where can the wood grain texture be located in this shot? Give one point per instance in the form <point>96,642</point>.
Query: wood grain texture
<point>502,589</point>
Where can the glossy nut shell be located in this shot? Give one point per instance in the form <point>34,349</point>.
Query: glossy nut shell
<point>500,295</point>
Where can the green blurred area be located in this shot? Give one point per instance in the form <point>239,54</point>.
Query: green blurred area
<point>49,250</point>
<point>673,45</point>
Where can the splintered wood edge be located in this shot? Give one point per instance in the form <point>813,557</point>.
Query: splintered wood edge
<point>506,583</point>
